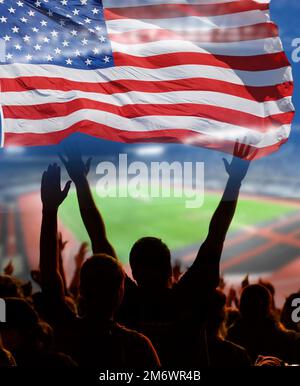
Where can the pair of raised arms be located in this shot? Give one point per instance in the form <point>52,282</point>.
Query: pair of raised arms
<point>53,195</point>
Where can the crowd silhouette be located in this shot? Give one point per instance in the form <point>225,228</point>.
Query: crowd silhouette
<point>158,317</point>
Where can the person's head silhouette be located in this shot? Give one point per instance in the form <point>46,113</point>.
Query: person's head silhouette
<point>150,261</point>
<point>101,286</point>
<point>255,302</point>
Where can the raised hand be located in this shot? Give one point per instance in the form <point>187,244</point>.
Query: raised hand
<point>74,164</point>
<point>232,298</point>
<point>177,271</point>
<point>36,276</point>
<point>9,269</point>
<point>52,196</point>
<point>93,221</point>
<point>61,244</point>
<point>79,258</point>
<point>243,154</point>
<point>245,282</point>
<point>51,193</point>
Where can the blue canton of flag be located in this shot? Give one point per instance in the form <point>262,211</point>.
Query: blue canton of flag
<point>66,33</point>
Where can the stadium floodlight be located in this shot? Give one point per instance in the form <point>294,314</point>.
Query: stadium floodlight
<point>14,150</point>
<point>149,150</point>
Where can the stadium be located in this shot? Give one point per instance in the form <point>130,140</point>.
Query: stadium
<point>133,133</point>
<point>263,241</point>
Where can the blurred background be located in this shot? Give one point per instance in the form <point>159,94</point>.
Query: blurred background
<point>264,240</point>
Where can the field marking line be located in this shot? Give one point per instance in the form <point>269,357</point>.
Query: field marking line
<point>281,238</point>
<point>256,197</point>
<point>253,230</point>
<point>273,237</point>
<point>249,233</point>
<point>295,233</point>
<point>243,236</point>
<point>247,255</point>
<point>290,270</point>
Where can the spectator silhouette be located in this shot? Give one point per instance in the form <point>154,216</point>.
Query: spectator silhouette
<point>221,352</point>
<point>95,340</point>
<point>271,288</point>
<point>6,358</point>
<point>151,305</point>
<point>258,331</point>
<point>28,338</point>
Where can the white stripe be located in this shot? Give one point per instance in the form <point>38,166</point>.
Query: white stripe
<point>219,130</point>
<point>246,48</point>
<point>249,78</point>
<point>2,128</point>
<point>189,23</point>
<point>135,3</point>
<point>263,109</point>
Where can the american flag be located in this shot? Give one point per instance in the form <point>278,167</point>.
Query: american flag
<point>199,72</point>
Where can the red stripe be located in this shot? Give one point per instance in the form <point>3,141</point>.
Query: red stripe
<point>219,35</point>
<point>109,133</point>
<point>259,94</point>
<point>180,10</point>
<point>245,63</point>
<point>221,114</point>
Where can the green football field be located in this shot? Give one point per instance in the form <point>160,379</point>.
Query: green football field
<point>128,219</point>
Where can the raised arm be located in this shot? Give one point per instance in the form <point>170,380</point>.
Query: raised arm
<point>224,213</point>
<point>79,259</point>
<point>207,262</point>
<point>61,246</point>
<point>52,196</point>
<point>92,219</point>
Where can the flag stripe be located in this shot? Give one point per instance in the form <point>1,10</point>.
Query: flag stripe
<point>246,78</point>
<point>228,35</point>
<point>134,3</point>
<point>231,116</point>
<point>177,10</point>
<point>261,94</point>
<point>253,63</point>
<point>196,124</point>
<point>190,23</point>
<point>247,48</point>
<point>202,98</point>
<point>109,133</point>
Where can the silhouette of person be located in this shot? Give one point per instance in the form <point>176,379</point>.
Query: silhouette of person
<point>29,339</point>
<point>221,352</point>
<point>95,339</point>
<point>258,330</point>
<point>151,304</point>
